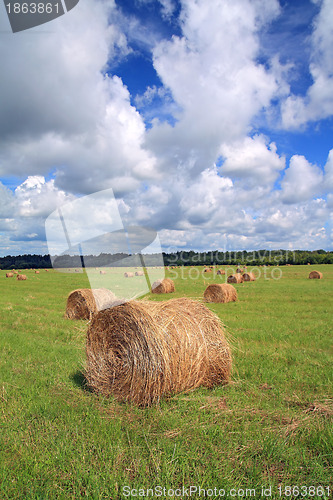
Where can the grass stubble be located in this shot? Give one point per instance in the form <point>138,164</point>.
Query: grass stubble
<point>271,426</point>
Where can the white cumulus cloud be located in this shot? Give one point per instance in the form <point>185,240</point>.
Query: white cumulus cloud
<point>317,104</point>
<point>302,181</point>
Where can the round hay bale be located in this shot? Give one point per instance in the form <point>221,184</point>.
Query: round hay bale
<point>21,277</point>
<point>128,275</point>
<point>84,302</point>
<point>36,272</point>
<point>163,286</point>
<point>315,275</point>
<point>139,273</point>
<point>221,272</point>
<point>9,275</point>
<point>102,272</point>
<point>16,272</point>
<point>235,278</point>
<point>140,351</point>
<point>207,270</point>
<point>249,277</point>
<point>239,270</point>
<point>220,293</point>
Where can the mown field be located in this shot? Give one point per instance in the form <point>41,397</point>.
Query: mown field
<point>271,427</point>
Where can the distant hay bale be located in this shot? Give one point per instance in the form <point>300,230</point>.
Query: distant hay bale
<point>139,273</point>
<point>235,278</point>
<point>141,351</point>
<point>221,272</point>
<point>15,272</point>
<point>102,272</point>
<point>249,277</point>
<point>315,275</point>
<point>77,270</point>
<point>128,275</point>
<point>46,270</point>
<point>239,270</point>
<point>207,270</point>
<point>163,286</point>
<point>36,272</point>
<point>220,293</point>
<point>21,277</point>
<point>84,302</point>
<point>9,275</point>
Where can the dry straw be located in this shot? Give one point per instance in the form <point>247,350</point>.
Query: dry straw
<point>163,286</point>
<point>220,293</point>
<point>84,302</point>
<point>9,275</point>
<point>221,272</point>
<point>21,277</point>
<point>249,277</point>
<point>235,278</point>
<point>141,350</point>
<point>315,275</point>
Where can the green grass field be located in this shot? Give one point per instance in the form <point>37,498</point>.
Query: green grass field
<point>271,427</point>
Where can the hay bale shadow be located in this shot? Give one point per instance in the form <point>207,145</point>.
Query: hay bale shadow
<point>80,381</point>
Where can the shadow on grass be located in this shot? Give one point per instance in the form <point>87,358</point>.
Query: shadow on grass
<point>80,381</point>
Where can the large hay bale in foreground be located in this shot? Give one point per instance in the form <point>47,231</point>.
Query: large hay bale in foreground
<point>21,277</point>
<point>9,275</point>
<point>220,293</point>
<point>84,302</point>
<point>141,350</point>
<point>249,277</point>
<point>315,275</point>
<point>163,286</point>
<point>235,278</point>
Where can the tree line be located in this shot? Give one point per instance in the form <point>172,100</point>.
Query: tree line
<point>181,258</point>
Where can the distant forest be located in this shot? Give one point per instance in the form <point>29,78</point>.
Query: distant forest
<point>181,258</point>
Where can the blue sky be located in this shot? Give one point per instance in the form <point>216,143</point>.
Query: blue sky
<point>211,121</point>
